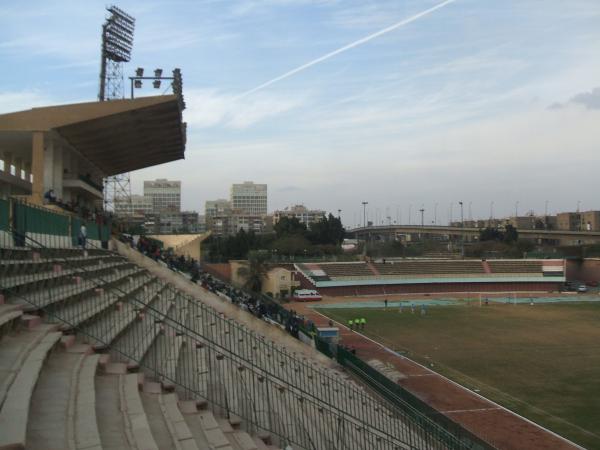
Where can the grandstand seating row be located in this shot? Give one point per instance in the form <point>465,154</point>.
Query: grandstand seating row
<point>422,268</point>
<point>122,359</point>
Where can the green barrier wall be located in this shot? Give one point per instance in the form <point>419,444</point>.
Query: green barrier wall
<point>30,219</point>
<point>4,214</point>
<point>430,420</point>
<point>45,222</point>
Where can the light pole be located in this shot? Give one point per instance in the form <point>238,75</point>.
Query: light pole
<point>578,205</point>
<point>470,213</point>
<point>422,210</point>
<point>462,224</point>
<point>516,210</point>
<point>340,214</point>
<point>136,81</point>
<point>365,213</point>
<point>410,214</point>
<point>435,213</point>
<point>491,211</point>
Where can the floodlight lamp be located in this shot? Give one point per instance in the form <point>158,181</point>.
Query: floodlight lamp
<point>137,84</point>
<point>158,73</point>
<point>156,84</point>
<point>139,72</point>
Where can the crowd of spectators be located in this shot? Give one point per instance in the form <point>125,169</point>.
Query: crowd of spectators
<point>94,215</point>
<point>257,304</point>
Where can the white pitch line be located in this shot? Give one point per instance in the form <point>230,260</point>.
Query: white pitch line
<point>347,47</point>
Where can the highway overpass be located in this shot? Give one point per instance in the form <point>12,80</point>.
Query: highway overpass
<point>387,232</point>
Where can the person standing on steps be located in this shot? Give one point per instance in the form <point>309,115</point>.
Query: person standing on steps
<point>82,236</point>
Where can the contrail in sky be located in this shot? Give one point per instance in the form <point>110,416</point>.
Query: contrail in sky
<point>346,47</point>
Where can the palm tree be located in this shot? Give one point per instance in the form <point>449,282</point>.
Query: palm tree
<point>255,271</point>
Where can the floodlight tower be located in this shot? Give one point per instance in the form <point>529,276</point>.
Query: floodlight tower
<point>117,42</point>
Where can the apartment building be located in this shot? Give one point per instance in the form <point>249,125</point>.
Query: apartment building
<point>300,212</point>
<point>165,195</point>
<point>249,198</point>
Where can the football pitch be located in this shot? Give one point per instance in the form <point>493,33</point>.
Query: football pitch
<point>542,361</point>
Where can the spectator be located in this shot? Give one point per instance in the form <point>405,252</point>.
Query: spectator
<point>50,196</point>
<point>82,236</point>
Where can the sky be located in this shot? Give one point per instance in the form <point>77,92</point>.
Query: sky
<point>485,102</point>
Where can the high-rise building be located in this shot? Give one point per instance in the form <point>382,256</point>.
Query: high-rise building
<point>138,206</point>
<point>249,198</point>
<point>165,195</point>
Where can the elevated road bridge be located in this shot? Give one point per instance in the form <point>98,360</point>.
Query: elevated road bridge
<point>388,232</point>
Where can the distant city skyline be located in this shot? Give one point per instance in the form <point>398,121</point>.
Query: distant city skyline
<point>476,102</point>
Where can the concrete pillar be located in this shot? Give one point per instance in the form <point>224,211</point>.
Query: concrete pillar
<point>37,167</point>
<point>8,159</point>
<point>18,167</point>
<point>27,169</point>
<point>57,177</point>
<point>49,165</point>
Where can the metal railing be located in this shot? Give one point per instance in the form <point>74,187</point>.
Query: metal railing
<point>186,345</point>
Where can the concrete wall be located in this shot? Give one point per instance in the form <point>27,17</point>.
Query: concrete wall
<point>587,270</point>
<point>220,270</point>
<point>188,245</point>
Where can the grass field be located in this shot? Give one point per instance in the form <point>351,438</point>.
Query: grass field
<point>540,361</point>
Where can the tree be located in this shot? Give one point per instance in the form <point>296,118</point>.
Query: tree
<point>255,271</point>
<point>291,245</point>
<point>510,234</point>
<point>287,226</point>
<point>490,234</point>
<point>328,230</point>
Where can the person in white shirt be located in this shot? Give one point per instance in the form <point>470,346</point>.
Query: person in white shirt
<point>82,236</point>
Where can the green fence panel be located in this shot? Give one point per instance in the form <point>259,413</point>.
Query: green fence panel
<point>4,214</point>
<point>19,225</point>
<point>324,347</point>
<point>93,230</point>
<point>104,233</point>
<point>75,226</point>
<point>431,420</point>
<point>37,220</point>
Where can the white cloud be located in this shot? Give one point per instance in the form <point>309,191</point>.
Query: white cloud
<point>243,7</point>
<point>211,108</point>
<point>22,100</point>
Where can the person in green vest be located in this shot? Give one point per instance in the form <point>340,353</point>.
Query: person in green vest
<point>357,323</point>
<point>351,324</point>
<point>363,323</point>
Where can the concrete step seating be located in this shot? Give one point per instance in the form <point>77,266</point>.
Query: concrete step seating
<point>22,356</point>
<point>39,294</point>
<point>14,273</point>
<point>53,254</point>
<point>187,351</point>
<point>77,310</point>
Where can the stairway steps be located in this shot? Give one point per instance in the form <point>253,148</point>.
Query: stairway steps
<point>137,426</point>
<point>16,407</point>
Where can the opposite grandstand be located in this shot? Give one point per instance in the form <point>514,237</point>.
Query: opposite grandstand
<point>434,276</point>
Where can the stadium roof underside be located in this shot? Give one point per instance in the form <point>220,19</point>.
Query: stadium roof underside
<point>117,136</point>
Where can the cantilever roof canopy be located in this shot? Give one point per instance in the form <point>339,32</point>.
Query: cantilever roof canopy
<point>117,136</point>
